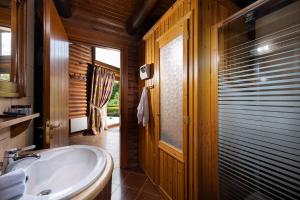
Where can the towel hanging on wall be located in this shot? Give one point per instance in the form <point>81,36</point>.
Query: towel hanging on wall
<point>143,108</point>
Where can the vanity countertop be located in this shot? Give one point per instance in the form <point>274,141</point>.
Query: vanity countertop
<point>8,121</point>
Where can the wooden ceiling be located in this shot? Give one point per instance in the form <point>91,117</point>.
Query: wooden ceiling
<point>5,3</point>
<point>243,3</point>
<point>112,16</point>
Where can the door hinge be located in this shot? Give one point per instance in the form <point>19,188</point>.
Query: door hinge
<point>187,120</point>
<point>188,35</point>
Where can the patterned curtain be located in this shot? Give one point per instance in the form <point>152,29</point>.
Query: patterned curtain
<point>101,90</point>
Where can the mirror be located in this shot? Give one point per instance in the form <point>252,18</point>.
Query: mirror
<point>13,28</point>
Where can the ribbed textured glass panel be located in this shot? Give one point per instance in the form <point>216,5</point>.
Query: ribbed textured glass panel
<point>171,92</point>
<point>259,104</point>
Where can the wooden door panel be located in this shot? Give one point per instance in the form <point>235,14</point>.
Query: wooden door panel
<point>173,159</point>
<point>171,176</point>
<point>56,80</point>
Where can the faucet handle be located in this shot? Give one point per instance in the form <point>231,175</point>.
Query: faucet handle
<point>16,150</point>
<point>31,147</point>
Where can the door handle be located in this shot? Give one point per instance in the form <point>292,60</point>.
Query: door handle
<point>55,126</point>
<point>48,131</point>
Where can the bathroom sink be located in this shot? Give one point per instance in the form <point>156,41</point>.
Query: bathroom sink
<point>62,173</point>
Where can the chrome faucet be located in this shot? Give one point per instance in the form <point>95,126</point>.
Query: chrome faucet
<point>15,154</point>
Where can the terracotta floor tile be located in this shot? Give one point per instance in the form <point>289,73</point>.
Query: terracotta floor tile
<point>119,176</point>
<point>124,193</point>
<point>149,188</point>
<point>135,170</point>
<point>148,196</point>
<point>135,180</point>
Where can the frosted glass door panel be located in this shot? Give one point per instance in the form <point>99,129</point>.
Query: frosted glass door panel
<point>259,104</point>
<point>171,92</point>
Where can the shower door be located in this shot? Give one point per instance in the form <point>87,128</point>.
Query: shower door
<point>259,103</point>
<point>172,116</point>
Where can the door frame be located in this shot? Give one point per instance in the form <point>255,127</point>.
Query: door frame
<point>123,79</point>
<point>123,47</point>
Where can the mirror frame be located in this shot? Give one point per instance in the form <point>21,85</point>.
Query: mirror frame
<point>17,85</point>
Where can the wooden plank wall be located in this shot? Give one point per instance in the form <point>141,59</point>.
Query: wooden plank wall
<point>5,14</point>
<point>165,171</point>
<point>80,55</point>
<point>132,103</point>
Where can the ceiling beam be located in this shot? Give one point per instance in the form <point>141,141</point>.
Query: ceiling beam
<point>139,17</point>
<point>64,8</point>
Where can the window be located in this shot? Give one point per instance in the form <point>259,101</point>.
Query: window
<point>171,92</point>
<point>5,44</point>
<point>108,56</point>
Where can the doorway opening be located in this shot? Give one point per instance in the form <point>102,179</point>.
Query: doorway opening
<point>108,138</point>
<point>110,59</point>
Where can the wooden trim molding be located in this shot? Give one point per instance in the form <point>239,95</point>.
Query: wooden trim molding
<point>178,25</point>
<point>172,151</point>
<point>18,25</point>
<point>211,14</point>
<point>243,11</point>
<point>107,66</point>
<point>19,44</point>
<point>124,160</point>
<point>169,12</point>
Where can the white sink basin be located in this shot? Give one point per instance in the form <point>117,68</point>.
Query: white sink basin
<point>62,173</point>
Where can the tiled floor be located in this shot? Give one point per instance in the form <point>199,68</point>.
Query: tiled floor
<point>129,184</point>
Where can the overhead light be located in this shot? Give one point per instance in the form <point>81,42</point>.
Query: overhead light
<point>263,49</point>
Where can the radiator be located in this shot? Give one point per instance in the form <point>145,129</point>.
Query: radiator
<point>78,124</point>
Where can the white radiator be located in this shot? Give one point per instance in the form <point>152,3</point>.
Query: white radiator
<point>78,124</point>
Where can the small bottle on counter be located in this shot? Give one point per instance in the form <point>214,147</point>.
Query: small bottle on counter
<point>21,109</point>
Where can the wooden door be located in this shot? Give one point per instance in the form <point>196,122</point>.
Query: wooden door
<point>172,113</point>
<point>56,80</point>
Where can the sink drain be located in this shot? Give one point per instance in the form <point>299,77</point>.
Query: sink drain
<point>44,192</point>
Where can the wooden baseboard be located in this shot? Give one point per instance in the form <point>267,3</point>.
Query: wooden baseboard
<point>158,188</point>
<point>163,193</point>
